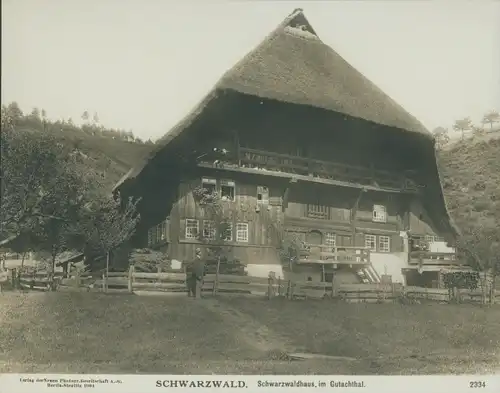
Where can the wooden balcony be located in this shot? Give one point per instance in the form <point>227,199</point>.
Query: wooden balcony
<point>309,169</point>
<point>433,258</point>
<point>324,254</point>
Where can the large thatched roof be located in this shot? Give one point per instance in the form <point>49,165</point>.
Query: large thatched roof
<point>293,65</point>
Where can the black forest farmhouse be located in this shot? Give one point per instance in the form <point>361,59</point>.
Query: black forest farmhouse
<point>299,144</point>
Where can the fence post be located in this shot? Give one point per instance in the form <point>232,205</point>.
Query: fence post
<point>130,278</point>
<point>269,287</point>
<point>216,280</point>
<point>14,278</point>
<point>279,286</point>
<point>77,279</point>
<point>335,287</point>
<point>104,283</point>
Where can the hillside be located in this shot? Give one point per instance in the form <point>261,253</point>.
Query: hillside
<point>471,181</point>
<point>103,151</point>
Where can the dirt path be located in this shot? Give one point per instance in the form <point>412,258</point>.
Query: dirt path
<point>247,329</point>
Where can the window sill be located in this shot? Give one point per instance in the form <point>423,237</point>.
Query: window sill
<point>231,243</point>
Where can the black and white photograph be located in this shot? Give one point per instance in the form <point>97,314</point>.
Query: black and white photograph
<point>249,188</point>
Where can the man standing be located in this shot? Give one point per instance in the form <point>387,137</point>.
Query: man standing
<point>194,275</point>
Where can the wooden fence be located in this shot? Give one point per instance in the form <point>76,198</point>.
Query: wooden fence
<point>213,284</point>
<point>383,293</point>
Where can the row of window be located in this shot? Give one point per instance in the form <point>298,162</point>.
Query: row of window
<point>227,190</point>
<point>209,230</point>
<point>379,213</point>
<point>432,239</point>
<point>378,243</point>
<point>372,242</point>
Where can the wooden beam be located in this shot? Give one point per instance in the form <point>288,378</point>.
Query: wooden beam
<point>238,149</point>
<point>286,194</point>
<point>316,180</point>
<point>354,212</point>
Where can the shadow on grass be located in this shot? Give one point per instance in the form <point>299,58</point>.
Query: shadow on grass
<point>115,333</point>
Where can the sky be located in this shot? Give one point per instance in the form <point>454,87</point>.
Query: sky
<point>142,65</point>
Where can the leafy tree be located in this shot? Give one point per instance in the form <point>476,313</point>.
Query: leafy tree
<point>39,180</point>
<point>441,135</point>
<point>109,224</point>
<point>35,114</point>
<point>57,236</point>
<point>462,125</point>
<point>491,117</point>
<point>217,234</point>
<point>12,112</point>
<point>85,116</point>
<point>477,131</point>
<point>480,246</point>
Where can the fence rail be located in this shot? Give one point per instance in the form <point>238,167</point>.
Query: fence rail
<point>175,282</point>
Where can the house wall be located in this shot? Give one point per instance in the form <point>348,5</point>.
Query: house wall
<point>306,131</point>
<point>261,219</point>
<point>259,253</point>
<point>294,130</point>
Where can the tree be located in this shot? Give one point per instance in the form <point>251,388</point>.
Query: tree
<point>85,116</point>
<point>491,117</point>
<point>109,224</point>
<point>218,227</point>
<point>477,131</point>
<point>35,114</point>
<point>441,135</point>
<point>462,125</point>
<point>39,180</point>
<point>12,112</point>
<point>56,237</point>
<point>95,118</point>
<point>480,246</point>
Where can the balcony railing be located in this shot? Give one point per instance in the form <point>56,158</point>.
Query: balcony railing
<point>322,254</point>
<point>433,258</point>
<point>269,161</point>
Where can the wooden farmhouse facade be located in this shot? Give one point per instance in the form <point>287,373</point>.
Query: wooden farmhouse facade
<point>298,144</point>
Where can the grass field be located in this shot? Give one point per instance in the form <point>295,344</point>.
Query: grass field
<point>115,333</point>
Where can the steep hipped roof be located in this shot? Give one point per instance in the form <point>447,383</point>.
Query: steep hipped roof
<point>293,65</point>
